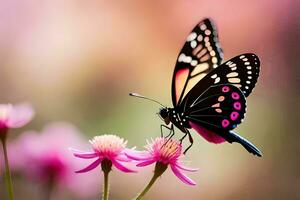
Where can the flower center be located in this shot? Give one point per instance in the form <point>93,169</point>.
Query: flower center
<point>108,145</point>
<point>166,150</point>
<point>53,168</point>
<point>169,149</point>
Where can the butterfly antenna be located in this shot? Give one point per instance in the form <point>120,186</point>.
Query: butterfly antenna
<point>143,97</point>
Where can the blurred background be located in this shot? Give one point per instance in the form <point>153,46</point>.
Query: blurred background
<point>76,61</point>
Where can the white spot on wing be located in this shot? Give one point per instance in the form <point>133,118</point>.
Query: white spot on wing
<point>200,68</point>
<point>200,38</point>
<point>192,36</point>
<point>203,27</point>
<point>217,80</point>
<point>193,44</point>
<point>232,65</point>
<point>188,59</point>
<point>214,76</point>
<point>207,32</point>
<point>212,53</point>
<point>234,80</point>
<point>214,60</point>
<point>194,63</point>
<point>181,57</point>
<point>232,74</point>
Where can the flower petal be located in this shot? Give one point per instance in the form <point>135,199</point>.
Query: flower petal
<point>84,155</point>
<point>185,168</point>
<point>145,163</point>
<point>136,155</point>
<point>91,166</point>
<point>121,167</point>
<point>182,176</point>
<point>20,115</point>
<point>123,158</point>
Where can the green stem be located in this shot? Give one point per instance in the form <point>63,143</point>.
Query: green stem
<point>105,188</point>
<point>8,179</point>
<point>106,168</point>
<point>160,168</point>
<point>147,188</point>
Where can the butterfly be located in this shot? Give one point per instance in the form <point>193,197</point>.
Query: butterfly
<point>208,96</point>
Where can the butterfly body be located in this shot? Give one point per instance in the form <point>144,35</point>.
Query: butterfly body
<point>177,118</point>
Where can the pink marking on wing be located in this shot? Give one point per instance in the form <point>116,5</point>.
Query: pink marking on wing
<point>225,89</point>
<point>237,105</point>
<point>208,135</point>
<point>235,95</point>
<point>225,123</point>
<point>234,115</point>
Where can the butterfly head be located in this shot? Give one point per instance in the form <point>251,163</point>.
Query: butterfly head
<point>164,114</point>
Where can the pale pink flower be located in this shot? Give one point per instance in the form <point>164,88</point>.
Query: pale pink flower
<point>105,147</point>
<point>166,153</point>
<point>14,116</point>
<point>44,157</point>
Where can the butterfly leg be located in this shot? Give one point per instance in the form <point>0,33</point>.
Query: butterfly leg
<point>191,142</point>
<point>172,132</point>
<point>170,135</point>
<point>181,139</point>
<point>171,129</point>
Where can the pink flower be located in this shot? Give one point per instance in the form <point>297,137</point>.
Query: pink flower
<point>45,158</point>
<point>105,148</point>
<point>14,116</point>
<point>163,152</point>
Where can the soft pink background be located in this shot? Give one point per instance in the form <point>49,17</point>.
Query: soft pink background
<point>78,60</point>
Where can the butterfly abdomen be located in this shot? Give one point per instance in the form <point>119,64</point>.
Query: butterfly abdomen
<point>208,135</point>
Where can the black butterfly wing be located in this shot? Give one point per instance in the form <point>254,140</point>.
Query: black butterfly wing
<point>218,110</point>
<point>200,54</point>
<point>241,71</point>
